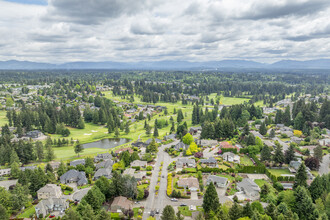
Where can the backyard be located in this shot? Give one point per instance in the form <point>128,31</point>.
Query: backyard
<point>279,172</point>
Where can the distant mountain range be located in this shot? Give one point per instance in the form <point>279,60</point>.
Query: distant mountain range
<point>169,65</point>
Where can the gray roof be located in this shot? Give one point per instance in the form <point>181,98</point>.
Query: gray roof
<point>103,172</point>
<point>248,185</point>
<point>186,161</point>
<point>74,163</point>
<point>105,164</point>
<point>44,206</point>
<point>102,157</point>
<point>210,160</point>
<point>150,140</point>
<point>129,171</point>
<point>74,176</point>
<point>217,179</point>
<point>180,145</point>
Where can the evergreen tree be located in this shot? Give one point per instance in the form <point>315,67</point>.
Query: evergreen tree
<point>318,153</point>
<point>61,169</point>
<point>148,130</point>
<point>286,118</point>
<point>3,213</point>
<point>155,131</point>
<point>117,132</point>
<point>235,212</point>
<point>78,149</point>
<point>304,205</point>
<point>168,213</point>
<point>265,153</point>
<point>15,171</point>
<point>289,154</point>
<point>301,177</point>
<point>251,140</point>
<point>172,130</point>
<point>50,155</point>
<point>40,150</point>
<point>127,128</point>
<point>299,121</point>
<point>180,116</point>
<point>211,199</point>
<point>272,133</point>
<point>70,214</point>
<point>263,129</point>
<point>317,188</point>
<point>278,156</point>
<point>247,210</point>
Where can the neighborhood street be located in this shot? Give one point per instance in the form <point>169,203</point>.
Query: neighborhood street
<point>324,166</point>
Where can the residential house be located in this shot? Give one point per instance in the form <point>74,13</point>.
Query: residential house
<point>207,143</point>
<point>106,172</point>
<point>49,191</point>
<point>217,181</point>
<point>211,162</point>
<point>104,164</point>
<point>45,207</point>
<point>139,144</point>
<point>102,157</point>
<point>121,204</point>
<point>170,137</point>
<point>180,146</point>
<point>190,183</point>
<point>139,163</point>
<point>287,186</point>
<point>74,163</point>
<point>158,141</point>
<point>130,150</point>
<point>325,142</point>
<point>249,187</point>
<point>296,139</point>
<point>257,134</point>
<point>226,145</point>
<point>294,166</point>
<point>28,168</point>
<point>185,162</point>
<point>55,165</point>
<point>140,175</point>
<point>194,130</point>
<point>231,157</point>
<point>129,171</point>
<point>5,172</point>
<point>74,176</point>
<point>287,133</point>
<point>34,134</point>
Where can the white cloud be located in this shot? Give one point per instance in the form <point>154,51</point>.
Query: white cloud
<point>196,30</point>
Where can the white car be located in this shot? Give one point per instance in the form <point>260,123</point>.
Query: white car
<point>174,200</point>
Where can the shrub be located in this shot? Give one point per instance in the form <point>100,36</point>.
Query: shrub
<point>149,168</point>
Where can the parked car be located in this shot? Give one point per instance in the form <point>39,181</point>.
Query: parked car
<point>182,204</point>
<point>157,211</point>
<point>152,213</point>
<point>174,200</point>
<point>51,216</point>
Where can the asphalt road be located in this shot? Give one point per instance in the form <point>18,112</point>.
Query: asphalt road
<point>159,201</point>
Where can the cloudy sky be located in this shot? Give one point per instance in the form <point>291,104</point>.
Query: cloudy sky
<point>145,30</point>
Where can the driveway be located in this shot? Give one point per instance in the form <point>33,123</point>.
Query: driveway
<point>324,166</point>
<point>80,194</point>
<point>194,196</point>
<point>7,183</point>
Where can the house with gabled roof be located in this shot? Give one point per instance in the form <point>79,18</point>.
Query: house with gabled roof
<point>211,162</point>
<point>74,176</point>
<point>74,163</point>
<point>104,156</point>
<point>249,187</point>
<point>217,180</point>
<point>49,191</point>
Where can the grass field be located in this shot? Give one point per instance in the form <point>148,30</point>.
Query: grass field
<point>279,172</point>
<point>260,182</point>
<point>228,100</point>
<point>3,118</point>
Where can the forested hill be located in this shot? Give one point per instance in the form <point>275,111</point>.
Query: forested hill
<point>171,65</point>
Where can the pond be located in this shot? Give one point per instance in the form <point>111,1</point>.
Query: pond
<point>107,143</point>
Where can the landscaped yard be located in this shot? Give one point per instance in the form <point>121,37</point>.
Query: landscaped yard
<point>27,213</point>
<point>260,182</point>
<point>186,212</point>
<point>246,161</point>
<point>279,172</point>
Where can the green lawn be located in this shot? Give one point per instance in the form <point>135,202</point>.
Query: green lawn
<point>245,160</point>
<point>186,212</point>
<point>229,100</point>
<point>279,172</point>
<point>260,182</point>
<point>3,118</point>
<point>27,213</point>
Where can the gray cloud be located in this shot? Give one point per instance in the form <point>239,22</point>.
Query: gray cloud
<point>193,30</point>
